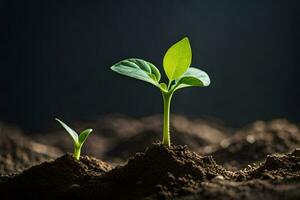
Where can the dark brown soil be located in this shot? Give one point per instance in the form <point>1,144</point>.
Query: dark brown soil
<point>254,142</point>
<point>18,152</point>
<point>278,177</point>
<point>158,173</point>
<point>277,168</point>
<point>256,162</point>
<point>52,179</point>
<point>246,190</point>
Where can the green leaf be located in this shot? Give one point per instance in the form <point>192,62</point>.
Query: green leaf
<point>139,69</point>
<point>71,132</point>
<point>177,59</point>
<point>192,77</point>
<point>84,135</point>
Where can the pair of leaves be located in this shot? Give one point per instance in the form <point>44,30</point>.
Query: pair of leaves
<point>78,140</point>
<point>176,64</point>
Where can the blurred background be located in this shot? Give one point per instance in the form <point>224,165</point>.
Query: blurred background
<point>56,58</point>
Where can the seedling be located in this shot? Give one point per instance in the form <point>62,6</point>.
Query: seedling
<point>176,63</point>
<point>78,140</point>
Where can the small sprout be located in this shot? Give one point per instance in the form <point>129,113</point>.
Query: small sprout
<point>176,63</point>
<point>78,141</point>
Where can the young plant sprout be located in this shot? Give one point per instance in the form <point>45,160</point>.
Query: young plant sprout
<point>176,63</point>
<point>78,140</point>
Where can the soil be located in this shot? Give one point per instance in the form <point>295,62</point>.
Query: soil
<point>18,152</point>
<point>259,161</point>
<point>51,179</point>
<point>254,142</point>
<point>157,173</point>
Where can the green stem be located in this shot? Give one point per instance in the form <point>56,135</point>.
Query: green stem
<point>77,151</point>
<point>166,126</point>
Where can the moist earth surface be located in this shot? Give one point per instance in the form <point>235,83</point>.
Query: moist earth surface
<point>258,161</point>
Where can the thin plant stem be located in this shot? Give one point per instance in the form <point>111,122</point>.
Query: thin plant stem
<point>77,151</point>
<point>166,125</point>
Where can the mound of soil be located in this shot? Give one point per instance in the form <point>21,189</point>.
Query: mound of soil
<point>278,168</point>
<point>254,142</point>
<point>160,172</point>
<point>18,152</point>
<point>51,179</point>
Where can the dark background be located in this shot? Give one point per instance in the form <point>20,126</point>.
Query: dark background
<point>56,58</point>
